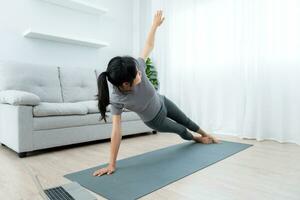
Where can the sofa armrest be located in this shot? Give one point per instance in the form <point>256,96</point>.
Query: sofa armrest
<point>16,125</point>
<point>18,97</point>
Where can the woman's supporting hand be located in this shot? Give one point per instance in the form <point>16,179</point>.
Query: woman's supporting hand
<point>106,170</point>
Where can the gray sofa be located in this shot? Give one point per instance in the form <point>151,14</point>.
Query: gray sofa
<point>45,106</point>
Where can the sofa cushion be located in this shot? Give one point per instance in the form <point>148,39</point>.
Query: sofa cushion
<point>92,106</point>
<point>78,84</point>
<point>51,122</point>
<point>41,80</point>
<point>56,109</point>
<point>18,97</point>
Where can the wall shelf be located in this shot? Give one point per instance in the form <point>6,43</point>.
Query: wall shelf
<point>79,5</point>
<point>63,38</point>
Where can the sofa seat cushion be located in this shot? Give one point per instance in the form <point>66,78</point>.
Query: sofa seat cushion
<point>56,109</point>
<point>52,122</point>
<point>92,106</point>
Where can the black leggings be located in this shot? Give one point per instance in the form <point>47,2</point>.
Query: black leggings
<point>171,119</point>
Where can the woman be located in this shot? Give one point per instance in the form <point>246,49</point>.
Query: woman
<point>133,90</point>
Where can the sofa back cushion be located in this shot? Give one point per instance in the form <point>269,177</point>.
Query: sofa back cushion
<point>78,84</point>
<point>41,80</point>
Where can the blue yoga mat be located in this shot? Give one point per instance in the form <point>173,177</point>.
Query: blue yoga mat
<point>142,174</point>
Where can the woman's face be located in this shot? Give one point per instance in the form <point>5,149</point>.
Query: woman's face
<point>138,78</point>
<point>136,81</point>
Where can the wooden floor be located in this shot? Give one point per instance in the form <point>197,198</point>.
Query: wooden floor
<point>268,170</point>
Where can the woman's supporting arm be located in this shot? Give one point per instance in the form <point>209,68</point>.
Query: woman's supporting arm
<point>116,137</point>
<point>157,21</point>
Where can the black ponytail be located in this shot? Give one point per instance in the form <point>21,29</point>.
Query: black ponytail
<point>103,95</point>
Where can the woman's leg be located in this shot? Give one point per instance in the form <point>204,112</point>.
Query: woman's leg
<point>165,124</point>
<point>162,123</point>
<point>176,114</point>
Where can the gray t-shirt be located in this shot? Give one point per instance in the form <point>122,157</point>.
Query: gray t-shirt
<point>143,99</point>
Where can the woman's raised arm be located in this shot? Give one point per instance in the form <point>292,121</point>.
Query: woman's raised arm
<point>157,21</point>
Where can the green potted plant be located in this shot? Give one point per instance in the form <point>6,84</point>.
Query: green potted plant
<point>151,73</point>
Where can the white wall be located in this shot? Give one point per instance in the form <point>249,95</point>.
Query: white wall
<point>115,27</point>
<point>142,22</point>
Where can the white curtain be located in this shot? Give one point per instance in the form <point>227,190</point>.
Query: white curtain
<point>233,66</point>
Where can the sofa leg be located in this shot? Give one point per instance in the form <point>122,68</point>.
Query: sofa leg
<point>22,154</point>
<point>154,132</point>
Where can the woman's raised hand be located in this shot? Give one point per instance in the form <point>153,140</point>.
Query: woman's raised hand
<point>158,18</point>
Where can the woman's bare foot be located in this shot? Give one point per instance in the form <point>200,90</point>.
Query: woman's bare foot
<point>204,140</point>
<point>204,134</point>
